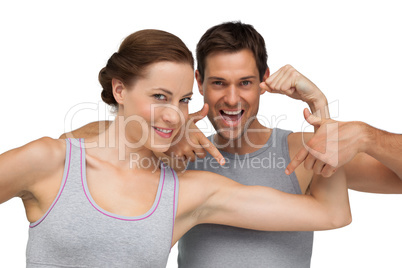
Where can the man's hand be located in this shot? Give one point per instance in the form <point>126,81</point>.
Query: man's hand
<point>333,145</point>
<point>288,81</point>
<point>194,143</point>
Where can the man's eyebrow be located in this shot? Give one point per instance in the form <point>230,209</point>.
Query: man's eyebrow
<point>215,78</point>
<point>249,77</point>
<point>170,93</point>
<point>222,79</point>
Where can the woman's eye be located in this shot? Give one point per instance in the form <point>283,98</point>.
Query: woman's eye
<point>186,100</point>
<point>159,96</point>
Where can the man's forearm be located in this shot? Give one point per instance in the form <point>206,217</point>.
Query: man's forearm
<point>385,147</point>
<point>319,106</point>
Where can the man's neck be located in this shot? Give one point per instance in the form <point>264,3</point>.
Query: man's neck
<point>253,139</point>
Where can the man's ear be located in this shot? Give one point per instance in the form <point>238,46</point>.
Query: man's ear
<point>265,77</point>
<point>118,90</point>
<point>199,82</point>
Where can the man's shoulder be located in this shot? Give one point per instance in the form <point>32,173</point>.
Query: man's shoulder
<point>297,140</point>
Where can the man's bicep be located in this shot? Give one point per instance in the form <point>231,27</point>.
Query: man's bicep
<point>366,174</point>
<point>87,131</point>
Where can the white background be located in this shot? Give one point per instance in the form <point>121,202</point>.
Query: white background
<point>51,53</point>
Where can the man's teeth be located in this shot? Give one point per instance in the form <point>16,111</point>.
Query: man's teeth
<point>164,130</point>
<point>231,112</point>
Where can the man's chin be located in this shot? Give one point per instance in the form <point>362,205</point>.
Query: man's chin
<point>230,135</point>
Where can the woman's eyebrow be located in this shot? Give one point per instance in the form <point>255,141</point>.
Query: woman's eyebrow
<point>170,92</point>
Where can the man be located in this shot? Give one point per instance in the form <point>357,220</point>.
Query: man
<point>232,63</point>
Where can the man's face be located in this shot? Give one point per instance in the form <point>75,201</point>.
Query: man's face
<point>231,89</point>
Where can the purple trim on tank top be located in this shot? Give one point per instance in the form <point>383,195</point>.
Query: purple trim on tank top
<point>58,195</point>
<point>174,202</point>
<point>107,214</point>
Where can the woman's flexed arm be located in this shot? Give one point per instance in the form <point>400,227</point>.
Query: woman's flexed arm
<point>223,201</point>
<point>23,168</point>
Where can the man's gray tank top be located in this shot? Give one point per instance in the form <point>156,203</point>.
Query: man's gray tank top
<point>76,232</point>
<point>209,245</point>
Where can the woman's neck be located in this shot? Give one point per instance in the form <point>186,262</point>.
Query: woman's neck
<point>115,146</point>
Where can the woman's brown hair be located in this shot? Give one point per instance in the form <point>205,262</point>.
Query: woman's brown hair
<point>135,53</point>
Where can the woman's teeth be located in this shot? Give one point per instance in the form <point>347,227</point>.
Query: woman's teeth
<point>164,130</point>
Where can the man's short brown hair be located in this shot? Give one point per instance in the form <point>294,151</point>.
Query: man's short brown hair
<point>232,37</point>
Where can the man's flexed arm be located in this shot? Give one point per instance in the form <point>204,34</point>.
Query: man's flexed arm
<point>372,157</point>
<point>288,81</point>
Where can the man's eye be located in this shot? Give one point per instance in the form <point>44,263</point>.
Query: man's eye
<point>186,100</point>
<point>245,83</point>
<point>218,83</point>
<point>159,96</point>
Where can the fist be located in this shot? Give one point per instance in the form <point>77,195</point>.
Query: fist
<point>288,81</point>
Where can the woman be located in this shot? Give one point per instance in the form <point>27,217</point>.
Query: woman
<point>107,201</point>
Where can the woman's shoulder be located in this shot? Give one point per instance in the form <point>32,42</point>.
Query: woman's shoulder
<point>44,153</point>
<point>25,167</point>
<point>47,145</point>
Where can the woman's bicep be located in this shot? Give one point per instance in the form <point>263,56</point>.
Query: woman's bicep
<point>21,167</point>
<point>266,209</point>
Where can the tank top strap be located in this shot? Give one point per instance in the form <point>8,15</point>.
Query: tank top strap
<point>279,139</point>
<point>76,171</point>
<point>170,192</point>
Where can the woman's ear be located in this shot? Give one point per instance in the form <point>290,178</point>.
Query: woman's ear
<point>118,90</point>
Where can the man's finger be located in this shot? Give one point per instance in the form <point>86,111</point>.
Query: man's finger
<point>309,161</point>
<point>328,171</point>
<point>197,116</point>
<point>212,150</point>
<point>265,87</point>
<point>311,119</point>
<point>296,161</point>
<point>318,167</point>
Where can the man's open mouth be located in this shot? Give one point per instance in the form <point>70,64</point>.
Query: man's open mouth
<point>232,116</point>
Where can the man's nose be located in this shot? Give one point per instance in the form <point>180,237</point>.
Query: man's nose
<point>232,97</point>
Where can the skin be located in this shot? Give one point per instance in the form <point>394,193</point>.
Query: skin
<point>371,161</point>
<point>371,157</point>
<point>204,197</point>
<point>232,80</point>
<point>231,89</point>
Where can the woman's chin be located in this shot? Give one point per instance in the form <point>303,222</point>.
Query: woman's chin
<point>161,148</point>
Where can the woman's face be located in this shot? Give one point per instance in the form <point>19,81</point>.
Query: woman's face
<point>155,107</point>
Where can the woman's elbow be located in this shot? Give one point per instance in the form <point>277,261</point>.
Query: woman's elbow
<point>341,220</point>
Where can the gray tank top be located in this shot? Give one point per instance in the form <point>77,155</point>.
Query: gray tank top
<point>209,245</point>
<point>76,232</point>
